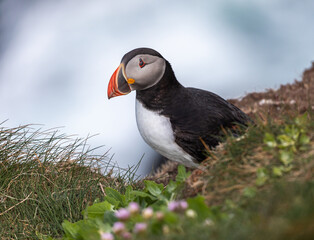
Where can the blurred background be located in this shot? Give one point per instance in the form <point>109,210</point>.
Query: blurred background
<point>56,58</point>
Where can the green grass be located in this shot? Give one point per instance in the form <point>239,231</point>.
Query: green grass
<point>259,186</point>
<point>47,177</point>
<point>283,212</point>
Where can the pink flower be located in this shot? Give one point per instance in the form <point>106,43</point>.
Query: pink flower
<point>133,208</point>
<point>177,206</point>
<point>183,205</point>
<point>122,214</point>
<point>106,236</point>
<point>140,227</point>
<point>173,206</point>
<point>126,235</point>
<point>118,228</point>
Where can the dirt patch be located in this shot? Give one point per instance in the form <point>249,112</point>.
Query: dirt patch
<point>289,98</point>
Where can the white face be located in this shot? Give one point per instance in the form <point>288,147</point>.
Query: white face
<point>146,70</point>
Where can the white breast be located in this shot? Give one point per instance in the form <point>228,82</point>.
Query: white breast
<point>157,132</point>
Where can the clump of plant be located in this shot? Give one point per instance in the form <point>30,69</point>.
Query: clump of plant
<point>286,143</point>
<point>136,214</point>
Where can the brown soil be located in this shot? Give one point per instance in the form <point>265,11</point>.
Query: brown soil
<point>289,98</point>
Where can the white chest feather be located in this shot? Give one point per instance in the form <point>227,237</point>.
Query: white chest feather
<point>157,132</point>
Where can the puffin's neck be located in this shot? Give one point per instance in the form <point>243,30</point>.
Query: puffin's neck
<point>159,95</point>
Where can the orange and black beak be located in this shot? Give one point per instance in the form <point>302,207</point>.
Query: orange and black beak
<point>118,84</point>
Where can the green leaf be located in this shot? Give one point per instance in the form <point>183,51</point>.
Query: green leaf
<point>112,201</point>
<point>302,120</point>
<point>270,140</point>
<point>231,205</point>
<point>277,171</point>
<point>249,192</point>
<point>98,210</point>
<point>286,168</point>
<point>154,188</point>
<point>199,206</point>
<point>171,187</point>
<point>285,141</point>
<point>304,140</point>
<point>110,192</point>
<point>262,176</point>
<point>41,236</point>
<point>109,218</point>
<point>286,157</point>
<point>292,131</point>
<point>90,233</point>
<point>89,230</point>
<point>171,218</point>
<point>128,196</point>
<point>142,194</point>
<point>261,172</point>
<point>71,229</point>
<point>182,174</point>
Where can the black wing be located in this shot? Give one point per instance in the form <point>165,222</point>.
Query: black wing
<point>196,114</point>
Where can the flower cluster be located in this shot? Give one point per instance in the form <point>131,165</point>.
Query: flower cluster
<point>106,236</point>
<point>124,214</point>
<point>120,230</point>
<point>177,206</point>
<point>133,220</point>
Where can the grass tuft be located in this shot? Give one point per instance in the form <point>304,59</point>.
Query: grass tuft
<point>47,177</point>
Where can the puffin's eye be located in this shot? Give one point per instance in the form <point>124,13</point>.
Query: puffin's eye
<point>141,63</point>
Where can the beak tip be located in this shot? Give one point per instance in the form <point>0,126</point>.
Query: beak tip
<point>111,94</point>
<point>113,89</point>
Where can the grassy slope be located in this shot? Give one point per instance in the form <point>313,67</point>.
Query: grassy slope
<point>46,178</point>
<point>254,192</point>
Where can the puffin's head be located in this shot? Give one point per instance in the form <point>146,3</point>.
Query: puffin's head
<point>140,69</point>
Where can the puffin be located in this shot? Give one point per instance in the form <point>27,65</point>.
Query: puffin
<point>178,122</point>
